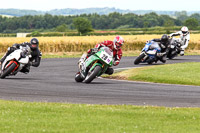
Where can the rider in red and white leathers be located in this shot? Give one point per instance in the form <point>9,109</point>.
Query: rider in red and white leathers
<point>184,38</point>
<point>115,46</point>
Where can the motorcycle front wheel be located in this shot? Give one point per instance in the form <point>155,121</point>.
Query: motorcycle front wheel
<point>8,70</point>
<point>92,74</point>
<point>139,59</point>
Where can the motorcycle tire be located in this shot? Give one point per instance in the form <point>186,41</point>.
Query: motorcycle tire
<point>93,74</point>
<point>78,77</point>
<point>139,59</point>
<point>8,70</point>
<point>172,55</point>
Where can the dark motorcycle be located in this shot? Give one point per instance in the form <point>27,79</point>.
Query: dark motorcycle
<point>174,48</point>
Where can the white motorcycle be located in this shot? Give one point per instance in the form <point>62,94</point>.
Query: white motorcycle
<point>15,61</point>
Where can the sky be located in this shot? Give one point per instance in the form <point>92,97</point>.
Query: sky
<point>157,5</point>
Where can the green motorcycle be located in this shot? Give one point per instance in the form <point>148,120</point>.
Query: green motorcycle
<point>95,65</point>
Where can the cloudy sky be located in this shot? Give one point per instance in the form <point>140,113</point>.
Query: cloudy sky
<point>44,5</point>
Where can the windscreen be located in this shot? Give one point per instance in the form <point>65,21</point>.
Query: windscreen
<point>154,45</point>
<point>108,51</point>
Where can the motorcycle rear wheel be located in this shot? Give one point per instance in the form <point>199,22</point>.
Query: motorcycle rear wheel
<point>93,74</point>
<point>8,70</point>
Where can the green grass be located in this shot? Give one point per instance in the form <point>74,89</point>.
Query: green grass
<point>181,73</point>
<point>26,117</point>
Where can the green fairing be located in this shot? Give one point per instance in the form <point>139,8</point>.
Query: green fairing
<point>91,59</point>
<point>95,57</point>
<point>99,53</point>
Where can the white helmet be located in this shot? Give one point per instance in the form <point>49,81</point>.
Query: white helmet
<point>184,30</point>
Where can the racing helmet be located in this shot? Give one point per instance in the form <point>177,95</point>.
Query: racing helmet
<point>34,43</point>
<point>184,30</point>
<point>164,38</point>
<point>118,42</point>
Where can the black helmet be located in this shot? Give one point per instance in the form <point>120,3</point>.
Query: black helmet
<point>164,38</point>
<point>34,43</point>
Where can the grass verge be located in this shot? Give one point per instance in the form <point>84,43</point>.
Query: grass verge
<point>180,73</point>
<point>59,117</point>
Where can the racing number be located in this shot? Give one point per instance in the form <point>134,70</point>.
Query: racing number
<point>105,57</point>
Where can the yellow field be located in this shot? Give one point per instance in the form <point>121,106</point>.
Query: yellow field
<point>81,44</point>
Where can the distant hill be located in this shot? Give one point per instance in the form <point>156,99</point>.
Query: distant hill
<point>70,11</point>
<point>8,16</point>
<point>18,12</point>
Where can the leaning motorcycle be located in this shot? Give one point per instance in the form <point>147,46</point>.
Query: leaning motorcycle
<point>15,61</point>
<point>148,53</point>
<point>175,48</point>
<point>95,65</point>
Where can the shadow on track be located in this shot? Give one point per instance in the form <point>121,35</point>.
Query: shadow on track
<point>176,59</point>
<point>19,78</point>
<point>95,83</point>
<point>146,64</point>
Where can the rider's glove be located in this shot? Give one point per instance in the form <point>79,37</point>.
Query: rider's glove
<point>11,49</point>
<point>94,50</point>
<point>147,41</point>
<point>116,63</point>
<point>16,46</point>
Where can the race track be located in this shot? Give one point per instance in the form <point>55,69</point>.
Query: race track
<point>54,81</point>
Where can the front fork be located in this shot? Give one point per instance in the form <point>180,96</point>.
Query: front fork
<point>146,56</point>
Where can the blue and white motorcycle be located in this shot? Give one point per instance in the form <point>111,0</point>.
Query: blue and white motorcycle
<point>149,53</point>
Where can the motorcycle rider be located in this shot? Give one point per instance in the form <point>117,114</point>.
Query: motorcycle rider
<point>35,54</point>
<point>115,46</point>
<point>184,38</point>
<point>164,43</point>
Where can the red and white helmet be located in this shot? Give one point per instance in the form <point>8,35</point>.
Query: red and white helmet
<point>184,30</point>
<point>118,42</point>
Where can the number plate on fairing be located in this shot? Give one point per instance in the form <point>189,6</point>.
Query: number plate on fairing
<point>106,57</point>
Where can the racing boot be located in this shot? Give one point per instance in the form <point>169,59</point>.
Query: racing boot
<point>163,58</point>
<point>1,61</point>
<point>0,68</point>
<point>10,50</point>
<point>109,71</point>
<point>3,58</point>
<point>182,53</point>
<point>25,69</point>
<point>81,60</point>
<point>150,61</point>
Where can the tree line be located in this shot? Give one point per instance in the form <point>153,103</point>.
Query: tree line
<point>111,21</point>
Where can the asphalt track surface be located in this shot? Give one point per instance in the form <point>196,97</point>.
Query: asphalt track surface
<point>54,81</point>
